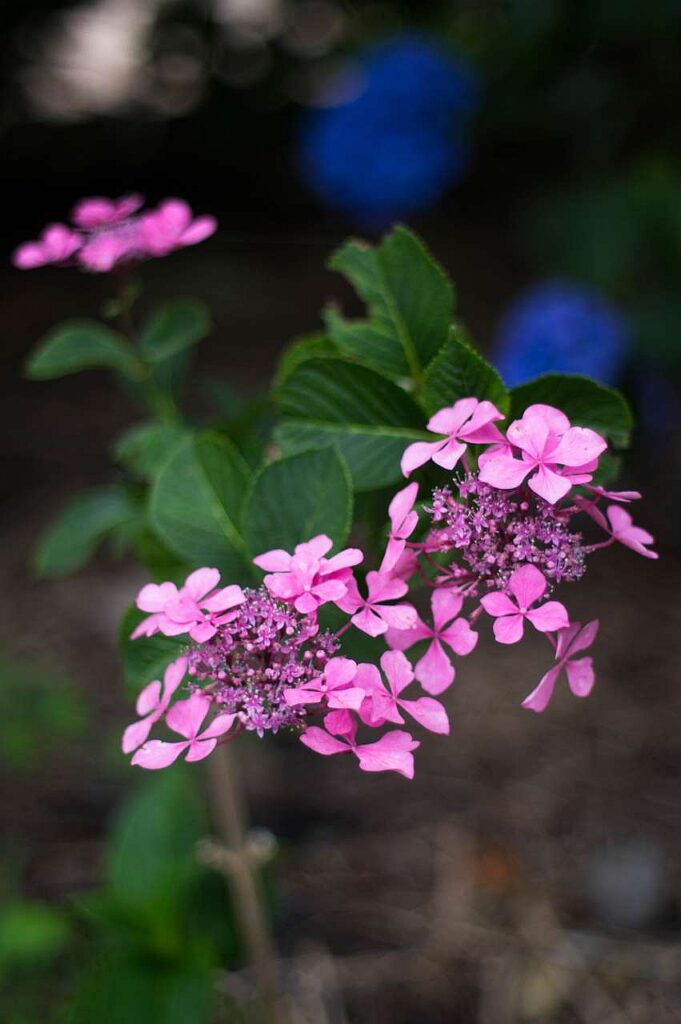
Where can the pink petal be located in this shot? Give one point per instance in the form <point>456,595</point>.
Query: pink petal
<point>221,600</point>
<point>418,454</point>
<point>531,434</point>
<point>402,504</point>
<point>397,616</point>
<point>504,471</point>
<point>136,734</point>
<point>329,590</point>
<point>480,428</point>
<point>393,752</point>
<point>403,639</point>
<point>297,695</point>
<point>200,583</point>
<point>527,585</point>
<point>157,754</point>
<point>583,640</point>
<point>384,588</point>
<point>149,698</point>
<point>172,678</point>
<point>340,671</point>
<point>581,676</point>
<point>541,695</point>
<point>147,627</point>
<point>460,637</point>
<point>549,485</point>
<point>497,604</point>
<point>509,629</point>
<point>564,638</point>
<point>556,420</point>
<point>549,617</point>
<point>393,552</point>
<point>352,600</point>
<point>315,548</point>
<point>397,669</point>
<point>218,727</point>
<point>449,454</point>
<point>343,560</point>
<point>186,716</point>
<point>306,604</point>
<point>321,742</point>
<point>369,622</point>
<point>451,419</point>
<point>276,560</point>
<point>153,597</point>
<point>199,749</point>
<point>202,631</point>
<point>429,713</point>
<point>579,445</point>
<point>446,604</point>
<point>198,231</point>
<point>350,699</point>
<point>341,723</point>
<point>435,671</point>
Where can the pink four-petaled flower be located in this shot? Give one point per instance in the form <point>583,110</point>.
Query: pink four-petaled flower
<point>391,753</point>
<point>185,718</point>
<point>306,579</point>
<point>434,670</point>
<point>333,686</point>
<point>554,454</point>
<point>198,608</point>
<point>384,705</point>
<point>527,585</point>
<point>56,244</point>
<point>152,702</point>
<point>372,614</point>
<point>621,527</point>
<point>579,671</point>
<point>99,212</point>
<point>468,421</point>
<point>173,226</point>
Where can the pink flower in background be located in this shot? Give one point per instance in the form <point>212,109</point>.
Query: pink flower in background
<point>334,686</point>
<point>101,252</point>
<point>56,244</point>
<point>392,753</point>
<point>434,670</point>
<point>579,671</point>
<point>198,608</point>
<point>152,703</point>
<point>527,585</point>
<point>173,226</point>
<point>403,522</point>
<point>99,212</point>
<point>383,705</point>
<point>372,614</point>
<point>468,421</point>
<point>185,718</point>
<point>546,442</point>
<point>306,578</point>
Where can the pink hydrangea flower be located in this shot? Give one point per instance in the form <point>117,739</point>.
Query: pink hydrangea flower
<point>384,705</point>
<point>527,585</point>
<point>621,526</point>
<point>392,753</point>
<point>435,670</point>
<point>152,703</point>
<point>98,212</point>
<point>468,421</point>
<point>198,608</point>
<point>56,244</point>
<point>554,454</point>
<point>333,686</point>
<point>173,226</point>
<point>579,671</point>
<point>104,250</point>
<point>403,522</point>
<point>185,718</point>
<point>372,614</point>
<point>306,578</point>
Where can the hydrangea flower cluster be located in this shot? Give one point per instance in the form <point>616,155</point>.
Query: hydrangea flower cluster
<point>105,233</point>
<point>490,544</point>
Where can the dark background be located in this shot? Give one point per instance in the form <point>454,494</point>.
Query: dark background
<point>536,859</point>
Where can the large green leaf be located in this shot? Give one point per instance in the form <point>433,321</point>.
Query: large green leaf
<point>586,403</point>
<point>196,500</point>
<point>81,345</point>
<point>370,420</point>
<point>410,304</point>
<point>88,519</point>
<point>311,346</point>
<point>145,446</point>
<point>298,497</point>
<point>458,371</point>
<point>173,328</point>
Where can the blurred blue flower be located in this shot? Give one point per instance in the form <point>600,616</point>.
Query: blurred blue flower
<point>394,145</point>
<point>559,327</point>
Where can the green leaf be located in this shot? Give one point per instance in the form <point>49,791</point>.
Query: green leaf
<point>410,304</point>
<point>31,933</point>
<point>296,498</point>
<point>147,657</point>
<point>367,418</point>
<point>145,446</point>
<point>312,346</point>
<point>459,371</point>
<point>584,402</point>
<point>196,500</point>
<point>174,327</point>
<point>82,345</point>
<point>72,539</point>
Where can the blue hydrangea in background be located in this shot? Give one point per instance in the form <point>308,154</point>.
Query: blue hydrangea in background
<point>561,327</point>
<point>398,141</point>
